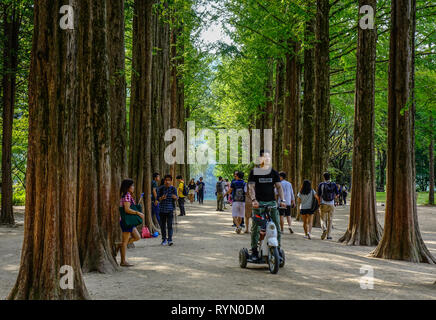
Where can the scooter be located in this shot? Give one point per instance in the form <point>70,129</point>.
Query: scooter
<point>268,246</point>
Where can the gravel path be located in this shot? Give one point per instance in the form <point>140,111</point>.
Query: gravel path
<point>203,264</point>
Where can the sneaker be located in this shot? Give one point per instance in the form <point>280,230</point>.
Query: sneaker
<point>324,233</point>
<point>238,230</point>
<point>308,236</point>
<point>290,230</point>
<point>164,243</point>
<point>329,238</point>
<point>170,243</point>
<point>131,246</point>
<point>254,254</point>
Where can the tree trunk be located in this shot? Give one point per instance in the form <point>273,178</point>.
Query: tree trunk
<point>431,164</point>
<point>11,29</point>
<point>117,104</point>
<point>308,100</point>
<point>363,227</point>
<point>401,237</point>
<point>322,98</point>
<point>278,114</point>
<point>381,170</point>
<point>50,239</point>
<point>94,186</point>
<point>140,106</point>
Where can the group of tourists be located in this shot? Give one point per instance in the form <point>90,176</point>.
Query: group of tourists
<point>267,187</point>
<point>164,196</point>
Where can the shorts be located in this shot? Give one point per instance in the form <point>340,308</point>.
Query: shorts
<point>306,211</point>
<point>285,211</point>
<point>124,228</point>
<point>238,209</point>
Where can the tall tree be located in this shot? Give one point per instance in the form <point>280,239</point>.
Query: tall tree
<point>140,105</point>
<point>322,97</point>
<point>50,238</point>
<point>401,237</point>
<point>278,113</point>
<point>117,105</point>
<point>11,32</point>
<point>363,227</point>
<point>309,95</point>
<point>94,185</point>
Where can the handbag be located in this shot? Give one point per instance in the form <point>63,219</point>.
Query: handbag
<point>131,220</point>
<point>315,204</point>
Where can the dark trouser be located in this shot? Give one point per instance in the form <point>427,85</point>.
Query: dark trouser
<point>200,196</point>
<point>219,201</point>
<point>344,195</point>
<point>166,220</point>
<point>182,206</point>
<point>155,210</point>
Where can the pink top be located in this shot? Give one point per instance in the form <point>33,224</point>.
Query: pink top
<point>127,198</point>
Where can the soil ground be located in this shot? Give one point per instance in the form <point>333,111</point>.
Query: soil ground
<point>203,264</point>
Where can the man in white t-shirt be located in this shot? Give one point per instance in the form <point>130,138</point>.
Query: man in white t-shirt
<point>288,194</point>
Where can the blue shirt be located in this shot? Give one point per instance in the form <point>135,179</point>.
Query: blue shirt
<point>288,192</point>
<point>167,205</point>
<point>238,184</point>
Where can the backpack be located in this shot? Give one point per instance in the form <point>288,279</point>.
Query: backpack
<point>219,187</point>
<point>239,194</point>
<point>328,191</point>
<point>315,204</point>
<point>185,190</point>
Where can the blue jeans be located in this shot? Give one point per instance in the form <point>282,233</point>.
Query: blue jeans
<point>155,211</point>
<point>166,221</point>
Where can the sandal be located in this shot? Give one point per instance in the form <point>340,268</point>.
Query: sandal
<point>127,265</point>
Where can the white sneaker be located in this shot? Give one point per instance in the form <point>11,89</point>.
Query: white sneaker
<point>306,237</point>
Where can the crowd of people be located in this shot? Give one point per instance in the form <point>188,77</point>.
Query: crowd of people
<point>264,187</point>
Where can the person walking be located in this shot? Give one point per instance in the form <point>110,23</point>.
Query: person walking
<point>154,201</point>
<point>248,210</point>
<point>305,198</point>
<point>289,200</point>
<point>327,192</point>
<point>238,188</point>
<point>129,234</point>
<point>181,195</point>
<point>191,187</point>
<point>201,190</point>
<point>344,194</point>
<point>166,195</point>
<point>219,192</point>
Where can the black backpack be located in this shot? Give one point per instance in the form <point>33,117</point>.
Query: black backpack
<point>328,191</point>
<point>185,190</point>
<point>219,187</point>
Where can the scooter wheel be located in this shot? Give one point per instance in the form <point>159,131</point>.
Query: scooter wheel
<point>273,260</point>
<point>243,258</point>
<point>282,258</point>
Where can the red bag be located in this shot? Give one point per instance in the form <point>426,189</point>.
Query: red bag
<point>145,233</point>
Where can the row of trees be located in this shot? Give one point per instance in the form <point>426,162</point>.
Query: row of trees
<point>92,121</point>
<point>297,65</point>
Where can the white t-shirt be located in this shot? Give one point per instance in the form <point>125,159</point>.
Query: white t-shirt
<point>288,192</point>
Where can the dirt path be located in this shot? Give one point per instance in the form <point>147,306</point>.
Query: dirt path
<point>203,264</point>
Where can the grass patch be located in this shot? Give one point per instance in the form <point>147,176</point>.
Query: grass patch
<point>422,197</point>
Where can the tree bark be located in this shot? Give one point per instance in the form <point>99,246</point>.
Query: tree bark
<point>363,227</point>
<point>50,239</point>
<point>431,164</point>
<point>322,98</point>
<point>381,154</point>
<point>140,106</point>
<point>11,29</point>
<point>308,98</point>
<point>94,186</point>
<point>278,114</point>
<point>401,237</point>
<point>117,105</point>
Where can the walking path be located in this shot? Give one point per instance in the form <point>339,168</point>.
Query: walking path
<point>203,264</point>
